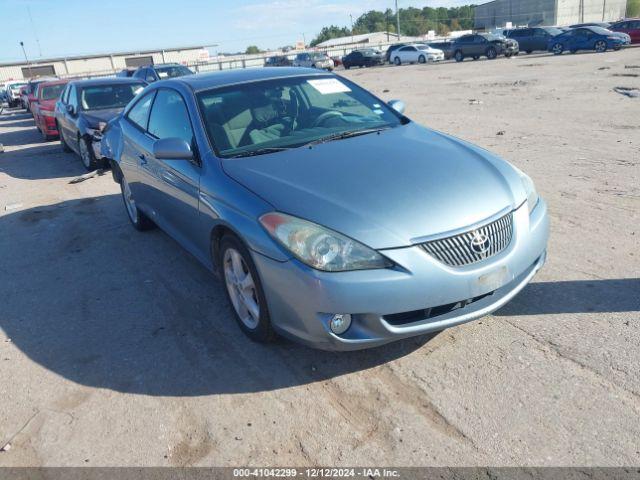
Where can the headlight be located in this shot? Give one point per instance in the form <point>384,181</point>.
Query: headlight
<point>319,247</point>
<point>530,189</point>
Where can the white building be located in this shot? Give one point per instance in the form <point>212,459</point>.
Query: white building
<point>100,64</point>
<point>498,13</point>
<point>363,40</point>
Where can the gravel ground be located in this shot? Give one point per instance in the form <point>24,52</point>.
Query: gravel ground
<point>118,348</point>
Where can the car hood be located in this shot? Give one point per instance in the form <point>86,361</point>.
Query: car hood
<point>385,190</point>
<point>93,117</point>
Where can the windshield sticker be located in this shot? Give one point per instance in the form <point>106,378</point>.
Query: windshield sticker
<point>329,85</point>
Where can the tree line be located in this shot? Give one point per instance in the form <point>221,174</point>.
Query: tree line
<point>414,22</point>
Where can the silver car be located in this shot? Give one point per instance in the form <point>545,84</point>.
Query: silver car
<point>314,60</point>
<point>331,217</point>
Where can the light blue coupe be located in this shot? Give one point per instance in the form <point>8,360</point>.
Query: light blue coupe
<point>331,217</point>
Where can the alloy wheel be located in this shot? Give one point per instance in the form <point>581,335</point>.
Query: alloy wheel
<point>600,46</point>
<point>129,202</point>
<point>85,156</point>
<point>558,48</point>
<point>241,288</point>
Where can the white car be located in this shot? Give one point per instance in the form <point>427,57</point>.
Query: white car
<point>12,93</point>
<point>418,53</point>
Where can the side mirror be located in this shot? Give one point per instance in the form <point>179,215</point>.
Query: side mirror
<point>172,149</point>
<point>71,110</point>
<point>397,105</point>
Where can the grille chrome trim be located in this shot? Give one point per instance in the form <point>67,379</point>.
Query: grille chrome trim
<point>457,251</point>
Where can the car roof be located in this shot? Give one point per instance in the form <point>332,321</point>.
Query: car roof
<point>51,83</point>
<point>95,82</point>
<point>205,81</point>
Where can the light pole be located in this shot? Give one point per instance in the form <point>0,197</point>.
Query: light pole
<point>351,18</point>
<point>397,20</point>
<point>26,58</point>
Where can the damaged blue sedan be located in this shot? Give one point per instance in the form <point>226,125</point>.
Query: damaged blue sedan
<point>330,216</point>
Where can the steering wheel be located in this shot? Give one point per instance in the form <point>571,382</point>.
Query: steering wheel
<point>325,116</point>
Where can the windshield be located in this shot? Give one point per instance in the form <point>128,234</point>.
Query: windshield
<point>288,112</point>
<point>318,56</point>
<point>108,96</point>
<point>16,86</point>
<point>52,92</point>
<point>173,71</point>
<point>554,31</point>
<point>600,30</point>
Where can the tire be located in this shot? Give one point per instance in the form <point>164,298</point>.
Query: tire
<point>65,147</point>
<point>600,46</point>
<point>557,48</point>
<point>529,52</point>
<point>397,61</point>
<point>138,219</point>
<point>459,56</point>
<point>245,295</point>
<point>89,160</point>
<point>491,53</point>
<point>508,55</point>
<point>421,59</point>
<point>346,67</point>
<point>476,57</point>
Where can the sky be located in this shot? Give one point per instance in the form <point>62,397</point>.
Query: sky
<point>58,28</point>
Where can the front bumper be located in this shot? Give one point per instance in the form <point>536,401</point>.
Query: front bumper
<point>302,300</point>
<point>436,58</point>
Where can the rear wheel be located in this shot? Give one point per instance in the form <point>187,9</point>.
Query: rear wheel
<point>458,56</point>
<point>600,46</point>
<point>557,48</point>
<point>138,219</point>
<point>65,147</point>
<point>244,290</point>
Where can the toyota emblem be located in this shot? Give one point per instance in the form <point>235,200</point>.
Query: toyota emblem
<point>480,243</point>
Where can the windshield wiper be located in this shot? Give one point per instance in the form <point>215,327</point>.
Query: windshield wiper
<point>342,135</point>
<point>260,151</point>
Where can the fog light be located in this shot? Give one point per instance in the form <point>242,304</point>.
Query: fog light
<point>340,323</point>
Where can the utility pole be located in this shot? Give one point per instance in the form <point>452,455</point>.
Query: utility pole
<point>35,32</point>
<point>604,8</point>
<point>397,20</point>
<point>351,17</point>
<point>26,58</point>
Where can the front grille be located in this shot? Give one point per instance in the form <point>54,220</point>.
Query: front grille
<point>473,246</point>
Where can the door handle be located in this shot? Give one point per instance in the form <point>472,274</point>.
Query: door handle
<point>143,159</point>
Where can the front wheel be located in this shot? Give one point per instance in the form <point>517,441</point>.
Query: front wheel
<point>397,61</point>
<point>600,46</point>
<point>421,59</point>
<point>557,48</point>
<point>89,160</point>
<point>244,290</point>
<point>459,56</point>
<point>138,219</point>
<point>491,53</point>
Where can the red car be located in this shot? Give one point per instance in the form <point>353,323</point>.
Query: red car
<point>630,26</point>
<point>44,104</point>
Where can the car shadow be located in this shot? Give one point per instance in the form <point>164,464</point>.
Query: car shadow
<point>38,160</point>
<point>91,299</point>
<point>576,296</point>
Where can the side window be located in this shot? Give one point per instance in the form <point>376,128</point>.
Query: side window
<point>169,117</point>
<point>65,95</point>
<point>150,76</point>
<point>73,97</point>
<point>139,114</point>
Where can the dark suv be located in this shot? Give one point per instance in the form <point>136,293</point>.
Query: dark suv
<point>153,73</point>
<point>533,39</point>
<point>483,45</point>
